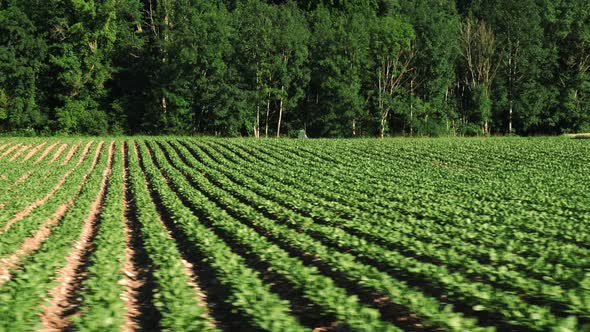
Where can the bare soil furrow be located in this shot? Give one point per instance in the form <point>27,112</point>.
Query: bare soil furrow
<point>29,209</point>
<point>19,152</point>
<point>70,154</point>
<point>33,151</point>
<point>84,153</point>
<point>10,150</point>
<point>20,180</point>
<point>189,268</point>
<point>133,280</point>
<point>58,153</point>
<point>31,244</point>
<point>34,242</point>
<point>199,295</point>
<point>45,153</point>
<point>56,314</point>
<point>214,295</point>
<point>142,314</point>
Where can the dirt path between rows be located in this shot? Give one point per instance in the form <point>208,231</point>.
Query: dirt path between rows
<point>20,180</point>
<point>19,152</point>
<point>30,244</point>
<point>4,145</point>
<point>29,209</point>
<point>131,281</point>
<point>188,267</point>
<point>84,153</point>
<point>54,316</point>
<point>58,153</point>
<point>70,154</point>
<point>34,242</point>
<point>9,151</point>
<point>33,151</point>
<point>45,153</point>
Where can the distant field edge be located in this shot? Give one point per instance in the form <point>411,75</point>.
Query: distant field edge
<point>579,136</point>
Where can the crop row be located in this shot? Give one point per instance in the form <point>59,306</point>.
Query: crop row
<point>184,234</point>
<point>493,299</point>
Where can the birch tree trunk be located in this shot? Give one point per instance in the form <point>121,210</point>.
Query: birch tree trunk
<point>382,129</point>
<point>280,112</point>
<point>267,115</point>
<point>510,93</point>
<point>257,123</point>
<point>164,55</point>
<point>510,118</point>
<point>163,104</point>
<point>411,107</point>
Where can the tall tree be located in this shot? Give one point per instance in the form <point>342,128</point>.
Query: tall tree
<point>391,41</point>
<point>271,56</point>
<point>567,34</point>
<point>437,27</point>
<point>291,43</point>
<point>22,58</point>
<point>481,61</point>
<point>336,104</point>
<point>254,58</point>
<point>129,84</point>
<point>205,54</point>
<point>82,44</point>
<point>519,34</point>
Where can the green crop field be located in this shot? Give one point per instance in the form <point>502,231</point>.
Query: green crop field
<point>189,234</point>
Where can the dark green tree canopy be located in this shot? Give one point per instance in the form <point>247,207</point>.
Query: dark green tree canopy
<point>335,68</point>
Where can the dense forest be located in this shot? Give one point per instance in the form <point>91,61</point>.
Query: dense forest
<point>336,68</point>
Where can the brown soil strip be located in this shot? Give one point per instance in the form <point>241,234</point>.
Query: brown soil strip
<point>45,153</point>
<point>29,209</point>
<point>55,314</point>
<point>147,316</point>
<point>579,136</point>
<point>20,180</point>
<point>10,149</point>
<point>131,281</point>
<point>34,242</point>
<point>33,151</point>
<point>31,244</point>
<point>19,152</point>
<point>199,295</point>
<point>84,153</point>
<point>70,154</point>
<point>3,146</point>
<point>188,267</point>
<point>334,327</point>
<point>58,153</point>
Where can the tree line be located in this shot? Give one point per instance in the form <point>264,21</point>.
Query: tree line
<point>334,68</point>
